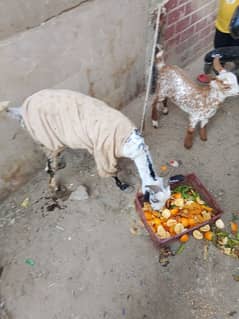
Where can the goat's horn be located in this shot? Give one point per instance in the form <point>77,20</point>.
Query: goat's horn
<point>217,64</point>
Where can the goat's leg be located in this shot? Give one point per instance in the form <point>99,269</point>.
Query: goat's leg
<point>203,133</point>
<point>155,111</point>
<point>51,169</point>
<point>54,163</point>
<point>188,140</point>
<point>165,107</point>
<point>123,186</point>
<point>203,130</point>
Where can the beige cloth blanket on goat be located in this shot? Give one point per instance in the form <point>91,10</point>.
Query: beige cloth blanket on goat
<point>64,118</point>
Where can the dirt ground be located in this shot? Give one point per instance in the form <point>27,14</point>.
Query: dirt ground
<point>88,264</point>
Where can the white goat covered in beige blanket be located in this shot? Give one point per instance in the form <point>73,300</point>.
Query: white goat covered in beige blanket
<point>58,119</point>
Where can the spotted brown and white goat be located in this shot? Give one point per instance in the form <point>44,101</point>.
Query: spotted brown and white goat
<point>201,103</point>
<point>58,119</point>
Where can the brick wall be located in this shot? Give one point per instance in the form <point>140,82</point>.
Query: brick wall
<point>189,29</point>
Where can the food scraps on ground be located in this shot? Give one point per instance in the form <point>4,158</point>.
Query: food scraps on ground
<point>227,241</point>
<point>164,168</point>
<point>197,234</point>
<point>25,203</point>
<point>174,163</point>
<point>220,224</point>
<point>184,238</point>
<point>30,262</point>
<point>184,210</point>
<point>234,227</point>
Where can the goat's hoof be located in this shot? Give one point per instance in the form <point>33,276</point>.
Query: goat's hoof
<point>165,111</point>
<point>61,164</point>
<point>126,188</point>
<point>203,134</point>
<point>188,143</point>
<point>155,124</point>
<point>188,140</point>
<point>59,191</point>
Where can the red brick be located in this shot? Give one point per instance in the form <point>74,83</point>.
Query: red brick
<point>189,8</point>
<point>176,15</point>
<point>195,17</point>
<point>197,47</point>
<point>209,39</point>
<point>181,2</point>
<point>172,42</point>
<point>190,29</point>
<point>210,19</point>
<point>196,37</point>
<point>201,13</point>
<point>169,32</point>
<point>183,24</point>
<point>201,24</point>
<point>171,5</point>
<point>205,32</point>
<point>187,33</point>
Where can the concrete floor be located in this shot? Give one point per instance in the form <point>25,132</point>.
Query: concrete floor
<point>88,264</point>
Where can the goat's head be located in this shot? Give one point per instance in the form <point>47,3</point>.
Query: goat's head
<point>158,194</point>
<point>225,81</point>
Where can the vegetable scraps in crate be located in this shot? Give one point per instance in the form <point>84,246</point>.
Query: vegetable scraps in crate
<point>184,210</point>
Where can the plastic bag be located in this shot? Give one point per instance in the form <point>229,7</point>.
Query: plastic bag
<point>234,24</point>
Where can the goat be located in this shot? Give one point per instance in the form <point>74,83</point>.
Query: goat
<point>201,103</point>
<point>57,119</point>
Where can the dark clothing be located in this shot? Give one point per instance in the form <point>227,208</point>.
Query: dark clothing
<point>224,40</point>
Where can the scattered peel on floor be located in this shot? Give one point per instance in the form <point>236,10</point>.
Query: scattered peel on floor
<point>184,238</point>
<point>197,234</point>
<point>164,168</point>
<point>220,224</point>
<point>234,227</point>
<point>25,203</point>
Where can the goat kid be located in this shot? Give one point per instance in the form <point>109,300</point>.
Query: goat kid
<point>57,119</point>
<point>201,103</point>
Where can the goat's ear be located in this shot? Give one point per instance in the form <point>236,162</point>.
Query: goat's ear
<point>154,188</point>
<point>222,85</point>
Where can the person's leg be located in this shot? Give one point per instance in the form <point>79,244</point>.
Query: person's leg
<point>233,42</point>
<point>222,39</point>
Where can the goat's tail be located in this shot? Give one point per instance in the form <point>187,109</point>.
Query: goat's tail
<point>159,60</point>
<point>13,112</point>
<point>4,106</point>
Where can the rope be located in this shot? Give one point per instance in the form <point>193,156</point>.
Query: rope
<point>145,106</point>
